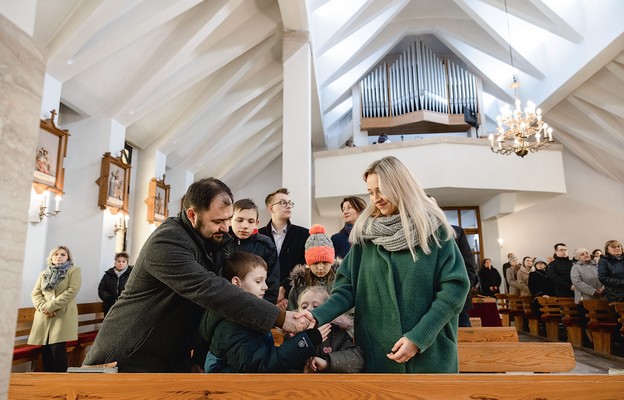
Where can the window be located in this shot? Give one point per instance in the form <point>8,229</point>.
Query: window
<point>468,219</point>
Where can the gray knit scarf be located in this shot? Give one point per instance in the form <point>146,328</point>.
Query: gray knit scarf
<point>388,232</point>
<point>55,274</point>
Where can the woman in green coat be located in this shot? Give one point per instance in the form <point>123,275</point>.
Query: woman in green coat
<point>405,277</point>
<point>56,315</point>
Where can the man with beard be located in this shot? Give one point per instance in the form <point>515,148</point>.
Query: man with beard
<point>152,326</point>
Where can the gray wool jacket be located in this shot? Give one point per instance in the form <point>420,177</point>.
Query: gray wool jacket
<point>153,325</point>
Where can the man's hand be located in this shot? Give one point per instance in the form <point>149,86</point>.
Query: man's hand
<point>296,322</point>
<point>403,350</point>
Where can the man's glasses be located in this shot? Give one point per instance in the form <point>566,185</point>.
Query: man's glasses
<point>284,203</point>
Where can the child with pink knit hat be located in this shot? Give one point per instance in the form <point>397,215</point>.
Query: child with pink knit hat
<point>320,268</point>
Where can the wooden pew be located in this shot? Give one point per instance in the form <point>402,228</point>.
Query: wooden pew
<point>619,308</point>
<point>34,386</point>
<point>515,357</point>
<point>532,319</point>
<point>571,320</point>
<point>488,334</point>
<point>90,315</point>
<point>502,303</point>
<point>516,311</point>
<point>551,315</point>
<point>602,324</point>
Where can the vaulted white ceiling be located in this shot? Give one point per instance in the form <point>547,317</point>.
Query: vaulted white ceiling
<point>201,81</point>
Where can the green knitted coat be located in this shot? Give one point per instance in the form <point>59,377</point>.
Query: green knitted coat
<point>394,297</point>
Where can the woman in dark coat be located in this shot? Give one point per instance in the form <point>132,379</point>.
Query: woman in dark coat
<point>351,208</point>
<point>611,271</point>
<point>489,279</point>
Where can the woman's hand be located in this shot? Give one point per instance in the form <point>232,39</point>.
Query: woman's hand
<point>403,350</point>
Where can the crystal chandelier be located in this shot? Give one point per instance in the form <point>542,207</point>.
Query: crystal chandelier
<point>519,132</point>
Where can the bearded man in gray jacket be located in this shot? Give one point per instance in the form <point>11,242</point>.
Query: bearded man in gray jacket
<point>152,326</point>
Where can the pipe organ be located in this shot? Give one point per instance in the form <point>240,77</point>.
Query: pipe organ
<point>420,82</point>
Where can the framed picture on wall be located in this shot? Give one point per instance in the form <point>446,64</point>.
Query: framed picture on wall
<point>114,181</point>
<point>157,201</point>
<point>48,171</point>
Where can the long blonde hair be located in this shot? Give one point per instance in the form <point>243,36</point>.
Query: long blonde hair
<point>398,185</point>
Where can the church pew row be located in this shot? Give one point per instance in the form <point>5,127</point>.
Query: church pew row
<point>34,386</point>
<point>90,316</point>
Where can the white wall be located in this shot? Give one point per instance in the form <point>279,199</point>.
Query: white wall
<point>588,215</point>
<point>267,181</point>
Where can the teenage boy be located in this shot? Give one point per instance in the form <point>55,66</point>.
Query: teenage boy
<point>244,230</point>
<point>289,239</point>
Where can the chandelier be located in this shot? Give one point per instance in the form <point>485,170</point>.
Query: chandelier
<point>519,132</point>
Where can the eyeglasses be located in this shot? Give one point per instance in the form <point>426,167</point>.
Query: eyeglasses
<point>284,203</point>
<point>615,246</point>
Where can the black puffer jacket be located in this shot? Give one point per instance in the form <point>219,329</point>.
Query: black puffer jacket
<point>264,247</point>
<point>235,348</point>
<point>611,275</point>
<point>111,287</point>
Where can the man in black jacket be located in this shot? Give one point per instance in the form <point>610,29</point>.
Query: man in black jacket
<point>153,325</point>
<point>289,239</point>
<point>559,272</point>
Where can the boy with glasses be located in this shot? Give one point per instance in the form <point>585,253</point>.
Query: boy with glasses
<point>289,239</point>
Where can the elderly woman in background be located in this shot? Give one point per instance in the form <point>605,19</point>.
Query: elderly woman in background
<point>351,208</point>
<point>611,271</point>
<point>56,315</point>
<point>584,275</point>
<point>587,286</point>
<point>405,276</point>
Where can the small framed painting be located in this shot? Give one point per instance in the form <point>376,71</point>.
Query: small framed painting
<point>48,172</point>
<point>157,201</point>
<point>114,181</point>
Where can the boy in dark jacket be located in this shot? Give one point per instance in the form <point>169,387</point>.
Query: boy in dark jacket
<point>234,348</point>
<point>114,281</point>
<point>244,231</point>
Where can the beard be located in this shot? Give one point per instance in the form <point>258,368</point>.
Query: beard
<point>199,227</point>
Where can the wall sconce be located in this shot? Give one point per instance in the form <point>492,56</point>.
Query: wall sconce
<point>500,242</point>
<point>43,207</point>
<point>121,222</point>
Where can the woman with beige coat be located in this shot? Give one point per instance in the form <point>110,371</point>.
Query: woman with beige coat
<point>56,316</point>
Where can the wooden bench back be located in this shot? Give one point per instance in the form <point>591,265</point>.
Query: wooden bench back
<point>487,334</point>
<point>550,308</point>
<point>502,303</point>
<point>569,310</point>
<point>314,386</point>
<point>515,304</point>
<point>516,357</point>
<point>90,314</point>
<point>600,312</point>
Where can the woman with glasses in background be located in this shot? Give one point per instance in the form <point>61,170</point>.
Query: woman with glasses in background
<point>611,271</point>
